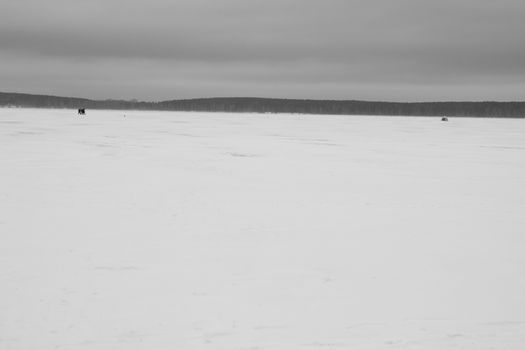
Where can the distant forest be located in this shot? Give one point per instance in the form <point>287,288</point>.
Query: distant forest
<point>273,105</point>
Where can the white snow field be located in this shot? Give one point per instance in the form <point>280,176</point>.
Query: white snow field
<point>165,230</point>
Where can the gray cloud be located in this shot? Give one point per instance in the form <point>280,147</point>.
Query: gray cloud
<point>375,49</point>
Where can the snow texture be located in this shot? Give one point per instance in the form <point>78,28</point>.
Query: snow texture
<point>157,230</point>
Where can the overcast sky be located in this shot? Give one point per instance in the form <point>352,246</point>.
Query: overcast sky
<point>399,50</point>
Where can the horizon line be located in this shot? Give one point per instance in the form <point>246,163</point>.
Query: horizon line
<point>135,100</point>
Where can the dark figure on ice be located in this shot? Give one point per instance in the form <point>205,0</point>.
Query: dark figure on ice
<point>444,119</point>
<point>82,111</point>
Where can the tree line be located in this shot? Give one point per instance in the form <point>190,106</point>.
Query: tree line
<point>488,109</point>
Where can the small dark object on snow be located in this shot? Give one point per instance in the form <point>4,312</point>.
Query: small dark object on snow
<point>82,111</point>
<point>444,119</point>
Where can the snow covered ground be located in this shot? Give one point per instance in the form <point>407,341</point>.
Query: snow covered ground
<point>163,230</point>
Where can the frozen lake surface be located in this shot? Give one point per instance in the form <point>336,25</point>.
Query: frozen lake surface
<point>161,230</point>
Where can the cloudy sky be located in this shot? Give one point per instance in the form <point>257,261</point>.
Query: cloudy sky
<point>398,50</point>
